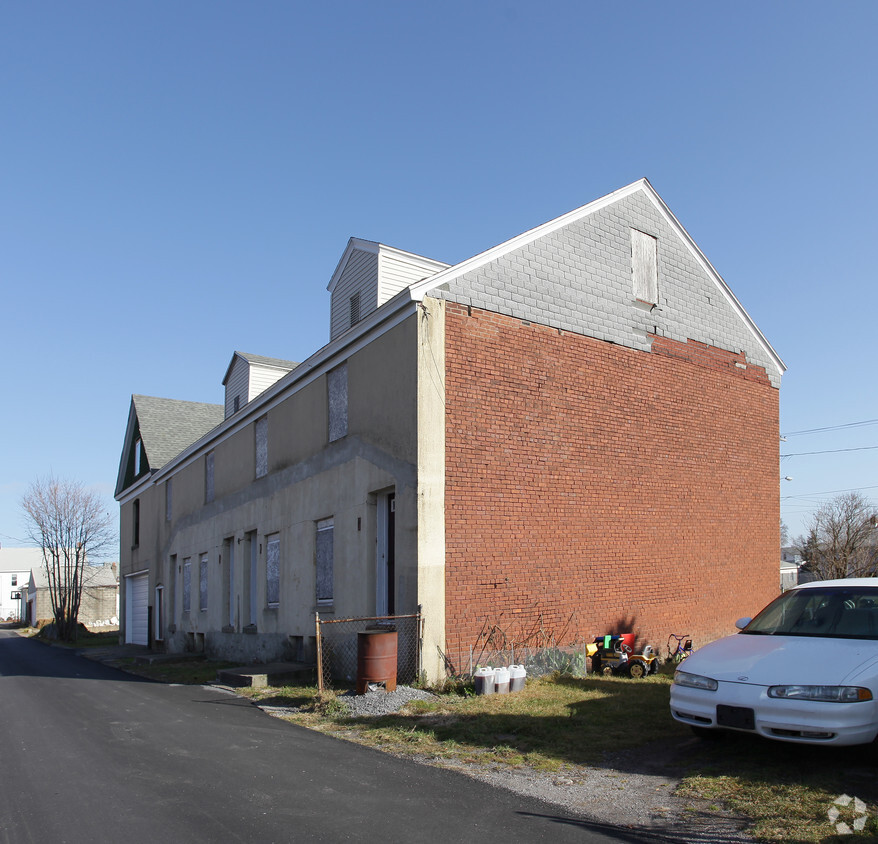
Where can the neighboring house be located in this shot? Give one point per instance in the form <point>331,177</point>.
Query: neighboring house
<point>561,435</point>
<point>99,603</point>
<point>16,565</point>
<point>790,566</point>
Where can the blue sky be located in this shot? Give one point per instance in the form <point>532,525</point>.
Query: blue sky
<point>180,179</point>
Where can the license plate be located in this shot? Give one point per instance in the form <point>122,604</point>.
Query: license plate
<point>735,716</point>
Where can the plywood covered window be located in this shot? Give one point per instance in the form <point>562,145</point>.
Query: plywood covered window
<point>644,266</point>
<point>261,447</point>
<point>208,478</point>
<point>272,570</point>
<point>187,584</point>
<point>324,554</point>
<point>337,392</point>
<point>202,583</point>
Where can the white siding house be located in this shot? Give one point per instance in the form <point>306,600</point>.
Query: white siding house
<point>249,375</point>
<point>15,569</point>
<point>368,275</point>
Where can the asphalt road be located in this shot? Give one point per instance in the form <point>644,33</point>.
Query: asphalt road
<point>91,754</point>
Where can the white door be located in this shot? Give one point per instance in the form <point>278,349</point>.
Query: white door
<point>136,612</point>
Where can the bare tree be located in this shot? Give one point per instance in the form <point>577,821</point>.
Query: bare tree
<point>69,523</point>
<point>842,540</point>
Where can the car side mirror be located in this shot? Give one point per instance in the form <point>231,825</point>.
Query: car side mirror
<point>741,623</point>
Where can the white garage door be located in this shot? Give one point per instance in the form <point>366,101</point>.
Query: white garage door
<point>136,613</point>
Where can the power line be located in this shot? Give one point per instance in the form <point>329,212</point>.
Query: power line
<point>829,451</point>
<point>832,428</point>
<point>827,492</point>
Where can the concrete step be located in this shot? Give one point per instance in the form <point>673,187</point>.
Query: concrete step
<point>273,674</point>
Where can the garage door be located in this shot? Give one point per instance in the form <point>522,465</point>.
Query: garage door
<point>136,613</point>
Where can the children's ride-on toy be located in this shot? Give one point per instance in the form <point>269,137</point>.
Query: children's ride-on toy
<point>615,655</point>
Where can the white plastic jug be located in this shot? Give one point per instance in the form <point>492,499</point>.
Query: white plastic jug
<point>501,680</point>
<point>484,681</point>
<point>517,677</point>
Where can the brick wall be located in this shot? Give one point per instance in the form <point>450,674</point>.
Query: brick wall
<point>592,487</point>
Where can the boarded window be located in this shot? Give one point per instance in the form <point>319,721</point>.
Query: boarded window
<point>324,558</point>
<point>261,447</point>
<point>202,582</point>
<point>355,309</point>
<point>136,525</point>
<point>272,571</point>
<point>337,389</point>
<point>187,585</point>
<point>644,266</point>
<point>208,478</point>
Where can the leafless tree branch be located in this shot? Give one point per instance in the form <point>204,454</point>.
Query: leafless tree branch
<point>69,523</point>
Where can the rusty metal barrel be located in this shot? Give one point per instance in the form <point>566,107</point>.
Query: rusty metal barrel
<point>376,659</point>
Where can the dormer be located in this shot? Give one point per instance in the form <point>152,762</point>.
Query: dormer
<point>249,375</point>
<point>369,274</point>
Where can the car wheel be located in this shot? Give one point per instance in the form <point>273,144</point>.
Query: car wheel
<point>636,670</point>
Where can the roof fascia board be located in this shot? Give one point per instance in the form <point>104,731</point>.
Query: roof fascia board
<point>417,291</point>
<point>718,280</point>
<point>126,446</point>
<point>353,244</point>
<point>235,356</point>
<point>380,321</point>
<point>381,250</point>
<point>137,488</point>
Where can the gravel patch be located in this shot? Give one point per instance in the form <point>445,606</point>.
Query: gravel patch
<point>380,702</point>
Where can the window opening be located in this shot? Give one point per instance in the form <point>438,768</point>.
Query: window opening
<point>644,266</point>
<point>337,391</point>
<point>187,584</point>
<point>324,559</point>
<point>202,583</point>
<point>272,571</point>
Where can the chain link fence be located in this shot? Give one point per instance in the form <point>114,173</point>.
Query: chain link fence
<point>538,657</point>
<point>337,642</point>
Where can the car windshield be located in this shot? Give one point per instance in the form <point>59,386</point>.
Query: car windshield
<point>832,612</point>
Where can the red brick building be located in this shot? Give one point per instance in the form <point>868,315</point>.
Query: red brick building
<point>571,433</point>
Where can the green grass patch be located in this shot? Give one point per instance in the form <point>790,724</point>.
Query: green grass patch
<point>787,789</point>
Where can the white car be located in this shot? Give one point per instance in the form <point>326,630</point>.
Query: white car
<point>804,670</point>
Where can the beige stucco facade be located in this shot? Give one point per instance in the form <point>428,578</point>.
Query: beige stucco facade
<point>393,445</point>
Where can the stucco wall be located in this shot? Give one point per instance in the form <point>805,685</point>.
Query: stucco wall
<point>309,479</point>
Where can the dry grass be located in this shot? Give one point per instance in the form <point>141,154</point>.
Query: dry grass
<point>787,790</point>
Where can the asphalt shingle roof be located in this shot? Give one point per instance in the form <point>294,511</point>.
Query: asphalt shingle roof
<point>169,426</point>
<point>264,361</point>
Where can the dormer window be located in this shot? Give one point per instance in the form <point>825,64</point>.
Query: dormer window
<point>248,376</point>
<point>355,308</point>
